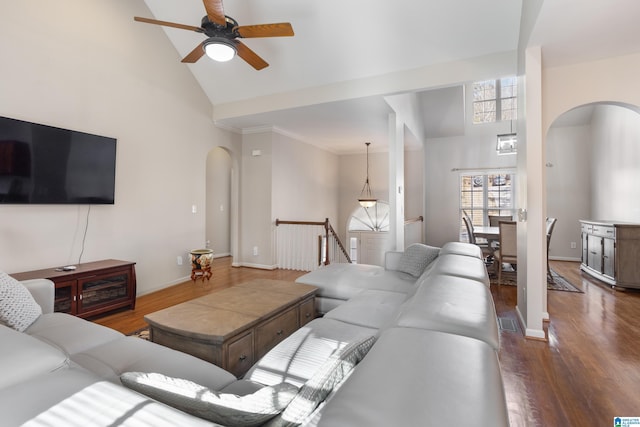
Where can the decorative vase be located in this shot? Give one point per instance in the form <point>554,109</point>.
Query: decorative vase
<point>201,259</point>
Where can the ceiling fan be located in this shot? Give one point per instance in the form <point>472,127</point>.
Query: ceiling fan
<point>222,32</point>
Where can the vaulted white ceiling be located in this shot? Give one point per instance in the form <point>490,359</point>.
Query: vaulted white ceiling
<point>326,84</point>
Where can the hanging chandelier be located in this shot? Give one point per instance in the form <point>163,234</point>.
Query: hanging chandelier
<point>366,199</point>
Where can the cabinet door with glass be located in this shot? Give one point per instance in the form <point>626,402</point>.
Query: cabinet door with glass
<point>65,297</point>
<point>104,290</point>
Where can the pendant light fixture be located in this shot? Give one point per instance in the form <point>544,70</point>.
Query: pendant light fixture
<point>507,142</point>
<point>366,199</point>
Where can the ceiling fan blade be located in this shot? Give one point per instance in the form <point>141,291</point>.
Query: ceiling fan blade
<point>215,11</point>
<point>168,24</point>
<point>281,29</point>
<point>250,56</point>
<point>194,55</point>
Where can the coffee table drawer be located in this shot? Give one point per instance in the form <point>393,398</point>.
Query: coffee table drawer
<point>307,311</point>
<point>240,355</point>
<point>272,332</point>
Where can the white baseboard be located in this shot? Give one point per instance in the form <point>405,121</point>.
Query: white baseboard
<point>528,332</point>
<point>251,265</point>
<point>222,255</point>
<point>561,258</point>
<point>165,285</point>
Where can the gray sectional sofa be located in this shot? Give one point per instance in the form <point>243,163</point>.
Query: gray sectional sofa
<point>412,344</point>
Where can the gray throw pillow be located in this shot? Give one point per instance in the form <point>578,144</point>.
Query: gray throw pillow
<point>223,408</point>
<point>18,309</point>
<point>416,258</point>
<point>329,375</point>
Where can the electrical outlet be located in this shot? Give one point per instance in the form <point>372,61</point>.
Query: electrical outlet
<point>179,260</point>
<point>255,251</point>
<point>573,245</point>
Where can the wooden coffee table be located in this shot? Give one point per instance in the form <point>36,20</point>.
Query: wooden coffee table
<point>235,327</point>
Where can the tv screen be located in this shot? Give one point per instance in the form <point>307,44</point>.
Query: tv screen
<point>42,164</point>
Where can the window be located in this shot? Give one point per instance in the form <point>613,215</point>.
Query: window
<point>495,100</point>
<point>483,194</point>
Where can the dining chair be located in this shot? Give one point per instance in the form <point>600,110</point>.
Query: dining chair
<point>551,222</point>
<point>486,250</point>
<point>507,253</point>
<point>495,219</point>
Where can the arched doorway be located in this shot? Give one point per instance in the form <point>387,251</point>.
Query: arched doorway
<point>368,234</point>
<point>219,202</point>
<point>591,156</point>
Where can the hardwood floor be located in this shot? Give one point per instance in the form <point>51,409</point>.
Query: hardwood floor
<point>589,370</point>
<point>223,276</point>
<point>586,374</point>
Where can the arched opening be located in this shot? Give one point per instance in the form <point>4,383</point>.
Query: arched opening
<point>368,234</point>
<point>219,210</point>
<point>592,157</point>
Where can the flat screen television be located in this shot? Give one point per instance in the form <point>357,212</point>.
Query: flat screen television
<point>42,164</point>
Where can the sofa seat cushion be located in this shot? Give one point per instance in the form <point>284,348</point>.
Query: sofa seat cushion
<point>228,409</point>
<point>23,357</point>
<point>76,397</point>
<point>18,309</point>
<point>454,305</point>
<point>69,333</point>
<point>461,248</point>
<point>461,266</point>
<point>414,377</point>
<point>296,359</point>
<point>344,281</point>
<point>370,308</point>
<point>126,354</point>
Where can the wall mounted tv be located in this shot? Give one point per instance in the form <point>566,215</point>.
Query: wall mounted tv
<point>42,164</point>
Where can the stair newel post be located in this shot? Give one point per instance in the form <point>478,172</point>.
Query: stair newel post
<point>326,233</point>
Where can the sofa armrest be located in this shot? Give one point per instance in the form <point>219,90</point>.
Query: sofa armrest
<point>392,260</point>
<point>43,291</point>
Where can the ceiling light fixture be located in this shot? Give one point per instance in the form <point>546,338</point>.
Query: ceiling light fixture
<point>366,199</point>
<point>219,49</point>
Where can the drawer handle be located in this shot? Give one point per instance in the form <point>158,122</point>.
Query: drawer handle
<point>593,252</point>
<point>307,315</point>
<point>242,358</point>
<point>280,332</point>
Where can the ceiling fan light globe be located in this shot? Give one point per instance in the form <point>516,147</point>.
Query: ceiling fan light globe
<point>221,51</point>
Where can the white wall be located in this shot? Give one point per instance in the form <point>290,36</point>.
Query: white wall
<point>218,186</point>
<point>615,164</point>
<point>475,151</point>
<point>288,180</point>
<point>568,150</point>
<point>255,201</point>
<point>88,66</point>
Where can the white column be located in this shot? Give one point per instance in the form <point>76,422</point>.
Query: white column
<point>531,230</point>
<point>396,182</point>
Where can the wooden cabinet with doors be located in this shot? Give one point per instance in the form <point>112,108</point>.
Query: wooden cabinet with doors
<point>610,252</point>
<point>93,288</point>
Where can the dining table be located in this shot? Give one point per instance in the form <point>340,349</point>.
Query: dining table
<point>491,234</point>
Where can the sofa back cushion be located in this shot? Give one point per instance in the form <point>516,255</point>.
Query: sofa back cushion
<point>23,357</point>
<point>416,258</point>
<point>18,309</point>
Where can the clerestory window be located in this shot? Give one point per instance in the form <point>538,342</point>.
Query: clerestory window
<point>495,100</point>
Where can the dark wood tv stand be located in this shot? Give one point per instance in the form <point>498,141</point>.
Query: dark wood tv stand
<point>93,288</point>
